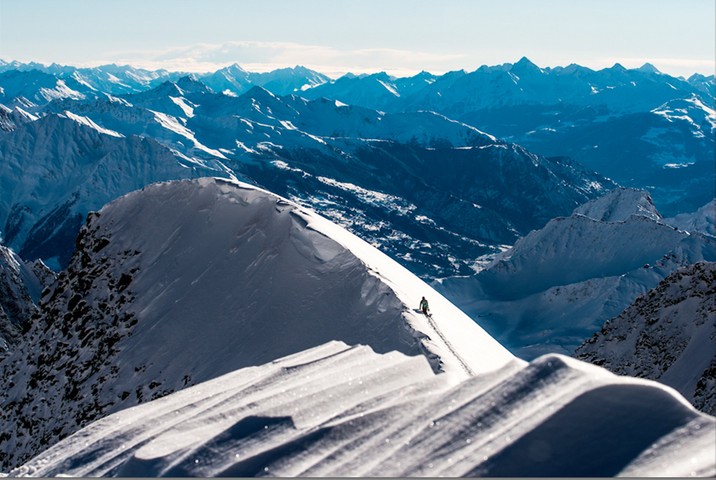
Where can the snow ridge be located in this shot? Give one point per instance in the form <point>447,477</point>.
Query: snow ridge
<point>185,281</point>
<point>619,205</point>
<point>337,411</point>
<point>703,220</point>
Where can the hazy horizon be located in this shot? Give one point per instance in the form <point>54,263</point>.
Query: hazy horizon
<point>400,37</point>
<point>334,76</point>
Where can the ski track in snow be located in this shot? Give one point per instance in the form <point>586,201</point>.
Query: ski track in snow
<point>464,366</point>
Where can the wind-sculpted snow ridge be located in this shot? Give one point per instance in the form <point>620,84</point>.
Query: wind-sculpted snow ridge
<point>336,410</point>
<point>185,281</point>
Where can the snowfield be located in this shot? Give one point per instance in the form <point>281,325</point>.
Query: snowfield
<point>207,327</point>
<point>181,282</point>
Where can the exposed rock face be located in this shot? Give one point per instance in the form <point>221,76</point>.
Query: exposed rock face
<point>20,286</point>
<point>59,377</point>
<point>667,334</point>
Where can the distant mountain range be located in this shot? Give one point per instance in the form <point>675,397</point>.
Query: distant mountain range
<point>561,282</point>
<point>431,191</point>
<point>640,127</point>
<point>70,81</point>
<point>437,193</point>
<point>198,324</point>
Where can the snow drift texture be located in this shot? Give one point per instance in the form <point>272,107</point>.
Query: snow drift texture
<point>345,411</point>
<point>182,282</point>
<point>305,355</point>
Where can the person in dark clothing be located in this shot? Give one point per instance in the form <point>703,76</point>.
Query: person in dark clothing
<point>424,307</point>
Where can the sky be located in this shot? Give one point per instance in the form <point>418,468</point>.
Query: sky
<point>401,37</point>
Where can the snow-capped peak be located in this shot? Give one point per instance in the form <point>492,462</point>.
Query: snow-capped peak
<point>618,205</point>
<point>524,66</point>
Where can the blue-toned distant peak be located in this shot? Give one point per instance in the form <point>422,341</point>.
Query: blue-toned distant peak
<point>381,76</point>
<point>424,74</point>
<point>233,69</point>
<point>618,67</point>
<point>648,68</point>
<point>191,84</point>
<point>260,93</point>
<point>525,65</point>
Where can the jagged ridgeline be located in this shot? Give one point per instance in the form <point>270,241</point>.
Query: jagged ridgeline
<point>386,157</point>
<point>433,192</point>
<point>666,335</point>
<point>181,282</point>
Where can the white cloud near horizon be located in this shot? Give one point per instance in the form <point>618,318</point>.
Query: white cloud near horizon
<point>261,56</point>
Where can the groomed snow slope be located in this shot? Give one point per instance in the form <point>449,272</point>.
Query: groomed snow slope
<point>185,281</point>
<point>337,410</point>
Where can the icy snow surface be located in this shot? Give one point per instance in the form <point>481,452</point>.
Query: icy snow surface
<point>251,261</point>
<point>336,410</point>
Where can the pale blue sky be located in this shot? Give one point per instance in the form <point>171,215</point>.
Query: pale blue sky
<point>335,36</point>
